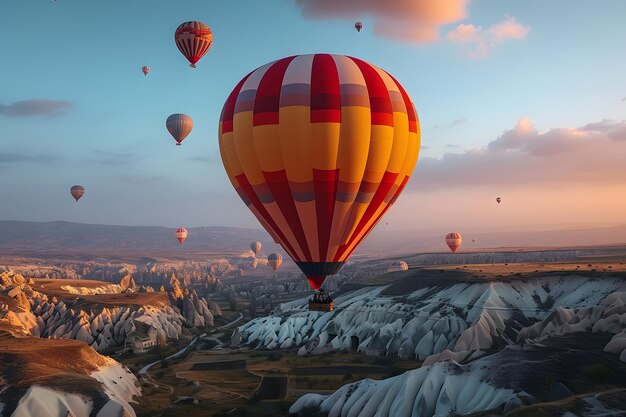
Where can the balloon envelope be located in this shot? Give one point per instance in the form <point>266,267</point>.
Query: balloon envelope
<point>181,234</point>
<point>274,260</point>
<point>319,147</point>
<point>77,192</point>
<point>453,240</point>
<point>193,40</point>
<point>145,70</point>
<point>179,126</point>
<point>255,247</point>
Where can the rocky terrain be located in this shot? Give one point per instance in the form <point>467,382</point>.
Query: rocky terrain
<point>476,333</point>
<point>48,377</point>
<point>100,314</point>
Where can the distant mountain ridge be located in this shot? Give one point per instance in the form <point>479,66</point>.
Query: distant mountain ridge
<point>24,238</point>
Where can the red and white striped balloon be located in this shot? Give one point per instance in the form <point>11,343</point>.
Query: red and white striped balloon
<point>453,240</point>
<point>193,40</point>
<point>181,234</point>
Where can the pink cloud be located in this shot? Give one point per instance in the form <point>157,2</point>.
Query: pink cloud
<point>409,20</point>
<point>522,156</point>
<point>478,42</point>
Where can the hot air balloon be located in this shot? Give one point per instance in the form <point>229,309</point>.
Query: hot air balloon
<point>77,192</point>
<point>275,259</point>
<point>193,40</point>
<point>358,26</point>
<point>453,240</point>
<point>319,147</point>
<point>179,126</point>
<point>473,240</point>
<point>145,70</point>
<point>255,247</point>
<point>398,266</point>
<point>181,234</point>
<point>498,200</point>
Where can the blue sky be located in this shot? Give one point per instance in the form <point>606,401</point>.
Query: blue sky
<point>567,72</point>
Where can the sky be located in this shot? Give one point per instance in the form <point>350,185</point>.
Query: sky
<point>522,100</point>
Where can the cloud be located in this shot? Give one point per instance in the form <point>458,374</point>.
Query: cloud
<point>35,107</point>
<point>210,158</point>
<point>7,158</point>
<point>477,42</point>
<point>114,158</point>
<point>451,145</point>
<point>523,156</point>
<point>409,20</point>
<point>458,122</point>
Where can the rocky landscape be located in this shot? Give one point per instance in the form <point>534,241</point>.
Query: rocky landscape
<point>475,331</point>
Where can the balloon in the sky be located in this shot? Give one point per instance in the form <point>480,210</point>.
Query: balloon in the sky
<point>145,70</point>
<point>193,40</point>
<point>274,260</point>
<point>179,126</point>
<point>181,234</point>
<point>498,200</point>
<point>398,266</point>
<point>319,147</point>
<point>77,192</point>
<point>255,247</point>
<point>358,26</point>
<point>453,240</point>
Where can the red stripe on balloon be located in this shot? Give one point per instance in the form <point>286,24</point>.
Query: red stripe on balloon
<point>385,185</point>
<point>246,188</point>
<point>278,184</point>
<point>267,99</point>
<point>325,184</point>
<point>228,110</point>
<point>410,108</point>
<point>380,101</point>
<point>325,90</point>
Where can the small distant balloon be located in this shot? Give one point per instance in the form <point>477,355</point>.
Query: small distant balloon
<point>274,260</point>
<point>179,126</point>
<point>453,240</point>
<point>181,234</point>
<point>77,192</point>
<point>398,266</point>
<point>145,70</point>
<point>358,26</point>
<point>498,200</point>
<point>255,247</point>
<point>473,240</point>
<point>193,40</point>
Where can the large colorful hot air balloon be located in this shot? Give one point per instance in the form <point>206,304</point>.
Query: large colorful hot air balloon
<point>77,192</point>
<point>193,40</point>
<point>274,260</point>
<point>319,147</point>
<point>181,234</point>
<point>453,240</point>
<point>145,70</point>
<point>255,247</point>
<point>498,200</point>
<point>179,126</point>
<point>358,26</point>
